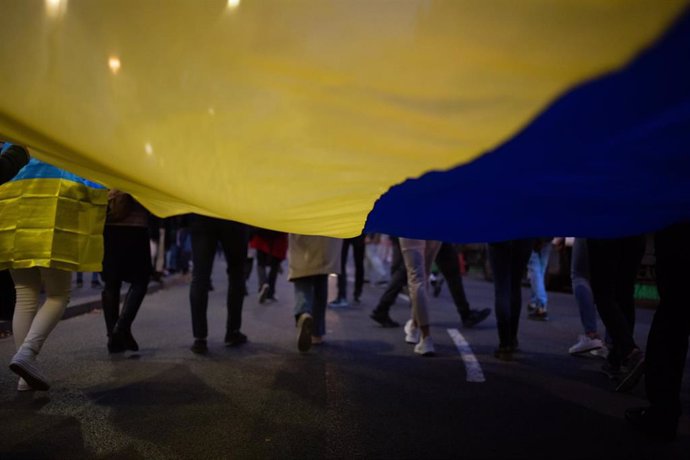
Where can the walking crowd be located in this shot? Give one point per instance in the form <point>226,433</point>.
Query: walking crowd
<point>87,228</point>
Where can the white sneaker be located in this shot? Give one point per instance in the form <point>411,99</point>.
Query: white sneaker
<point>585,344</point>
<point>23,386</point>
<point>425,347</point>
<point>412,332</point>
<point>23,365</point>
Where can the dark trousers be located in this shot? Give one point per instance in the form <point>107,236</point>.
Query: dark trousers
<point>448,264</point>
<point>114,319</point>
<point>206,233</point>
<point>667,345</point>
<point>264,261</point>
<point>508,261</point>
<point>126,258</point>
<point>8,296</point>
<point>613,265</point>
<point>357,244</point>
<point>397,281</point>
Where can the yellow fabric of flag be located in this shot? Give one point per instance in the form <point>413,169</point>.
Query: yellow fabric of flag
<point>294,115</point>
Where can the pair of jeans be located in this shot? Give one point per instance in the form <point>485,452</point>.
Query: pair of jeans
<point>508,260</point>
<point>667,343</point>
<point>536,271</point>
<point>311,296</point>
<point>418,256</point>
<point>206,234</point>
<point>613,265</point>
<point>579,275</point>
<point>357,244</point>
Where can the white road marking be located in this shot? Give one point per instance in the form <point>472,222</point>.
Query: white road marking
<point>474,370</point>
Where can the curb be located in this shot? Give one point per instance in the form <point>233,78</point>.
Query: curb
<point>88,306</point>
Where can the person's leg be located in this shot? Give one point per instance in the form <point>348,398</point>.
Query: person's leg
<point>631,252</point>
<point>319,301</point>
<point>520,251</point>
<point>579,274</point>
<point>110,301</point>
<point>358,256</point>
<point>274,267</point>
<point>667,344</point>
<point>413,254</point>
<point>27,283</point>
<point>604,257</point>
<point>342,276</point>
<point>233,237</point>
<point>304,307</point>
<point>130,306</point>
<point>500,261</point>
<point>261,262</point>
<point>8,296</point>
<point>57,288</point>
<point>447,262</point>
<point>396,283</point>
<point>204,242</point>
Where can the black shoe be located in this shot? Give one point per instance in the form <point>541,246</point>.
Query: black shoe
<point>475,317</point>
<point>129,341</point>
<point>654,424</point>
<point>504,353</point>
<point>539,315</point>
<point>234,338</point>
<point>633,368</point>
<point>384,320</point>
<point>116,343</point>
<point>199,346</point>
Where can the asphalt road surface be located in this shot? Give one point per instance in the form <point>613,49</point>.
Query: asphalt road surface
<point>363,394</point>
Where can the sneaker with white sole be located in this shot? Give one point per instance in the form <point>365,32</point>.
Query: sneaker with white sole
<point>412,332</point>
<point>305,325</point>
<point>23,386</point>
<point>23,364</point>
<point>425,347</point>
<point>584,344</point>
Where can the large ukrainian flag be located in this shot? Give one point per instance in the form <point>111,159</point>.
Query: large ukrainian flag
<point>489,119</point>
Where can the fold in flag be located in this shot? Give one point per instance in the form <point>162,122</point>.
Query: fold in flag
<point>459,120</point>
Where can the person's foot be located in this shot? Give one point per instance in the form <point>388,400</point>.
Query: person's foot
<point>612,371</point>
<point>653,423</point>
<point>504,353</point>
<point>234,338</point>
<point>585,344</point>
<point>116,343</point>
<point>475,317</point>
<point>358,299</point>
<point>96,284</point>
<point>263,292</point>
<point>23,364</point>
<point>199,346</point>
<point>316,340</point>
<point>539,314</point>
<point>23,386</point>
<point>531,307</point>
<point>412,332</point>
<point>305,324</point>
<point>79,284</point>
<point>425,347</point>
<point>339,303</point>
<point>633,368</point>
<point>129,342</point>
<point>383,319</point>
